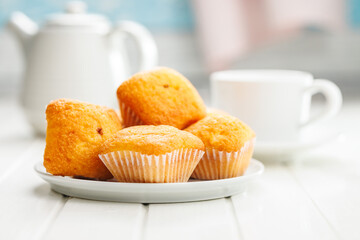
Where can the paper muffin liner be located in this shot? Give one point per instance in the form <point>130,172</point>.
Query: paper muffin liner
<point>129,117</point>
<point>220,164</point>
<point>175,166</point>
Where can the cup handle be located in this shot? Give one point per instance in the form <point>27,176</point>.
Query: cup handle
<point>333,98</point>
<point>144,41</point>
<point>145,44</point>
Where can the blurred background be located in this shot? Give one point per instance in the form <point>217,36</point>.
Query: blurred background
<point>197,37</point>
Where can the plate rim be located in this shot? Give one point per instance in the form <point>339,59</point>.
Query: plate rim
<point>61,179</point>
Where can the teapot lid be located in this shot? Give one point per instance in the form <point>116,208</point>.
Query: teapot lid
<point>75,16</point>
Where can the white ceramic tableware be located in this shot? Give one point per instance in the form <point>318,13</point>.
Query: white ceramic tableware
<point>151,192</point>
<point>275,103</point>
<point>309,139</point>
<point>76,55</point>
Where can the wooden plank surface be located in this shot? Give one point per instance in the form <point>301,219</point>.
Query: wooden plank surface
<point>15,135</point>
<point>27,205</point>
<point>335,191</point>
<point>275,207</point>
<point>86,219</point>
<point>213,219</point>
<point>330,176</point>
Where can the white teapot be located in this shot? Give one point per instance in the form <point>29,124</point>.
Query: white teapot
<point>76,55</point>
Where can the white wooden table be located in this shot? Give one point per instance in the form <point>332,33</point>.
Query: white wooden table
<point>316,198</point>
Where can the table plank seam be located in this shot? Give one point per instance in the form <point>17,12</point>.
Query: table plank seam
<point>230,204</point>
<point>301,186</point>
<point>51,219</point>
<point>21,159</point>
<point>144,217</point>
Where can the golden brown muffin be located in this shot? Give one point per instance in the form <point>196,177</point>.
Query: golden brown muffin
<point>160,97</point>
<point>229,146</point>
<point>75,132</point>
<point>152,154</point>
<point>222,132</point>
<point>151,140</point>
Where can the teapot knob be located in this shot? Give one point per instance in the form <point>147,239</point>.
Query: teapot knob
<point>76,7</point>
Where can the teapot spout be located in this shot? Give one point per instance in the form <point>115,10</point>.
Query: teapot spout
<point>23,28</point>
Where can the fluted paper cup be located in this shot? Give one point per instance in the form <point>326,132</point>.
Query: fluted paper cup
<point>175,166</point>
<point>220,164</point>
<point>129,117</point>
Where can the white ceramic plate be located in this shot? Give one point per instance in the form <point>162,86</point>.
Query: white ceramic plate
<point>308,140</point>
<point>150,192</point>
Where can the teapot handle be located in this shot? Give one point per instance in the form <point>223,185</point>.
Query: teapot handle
<point>144,42</point>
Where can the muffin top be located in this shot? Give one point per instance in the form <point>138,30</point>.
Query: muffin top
<point>162,96</point>
<point>69,114</point>
<point>222,132</point>
<point>65,104</point>
<point>151,140</point>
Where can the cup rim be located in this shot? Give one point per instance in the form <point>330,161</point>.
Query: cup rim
<point>261,75</point>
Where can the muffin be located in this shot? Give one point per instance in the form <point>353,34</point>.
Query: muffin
<point>229,145</point>
<point>160,97</point>
<point>75,132</point>
<point>152,154</point>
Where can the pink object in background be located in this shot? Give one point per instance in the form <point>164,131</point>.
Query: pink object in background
<point>228,29</point>
<point>285,14</point>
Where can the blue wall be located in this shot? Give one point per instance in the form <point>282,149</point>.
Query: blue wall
<point>155,14</point>
<point>354,12</point>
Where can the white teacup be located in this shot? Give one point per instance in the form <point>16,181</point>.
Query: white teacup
<point>275,103</point>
